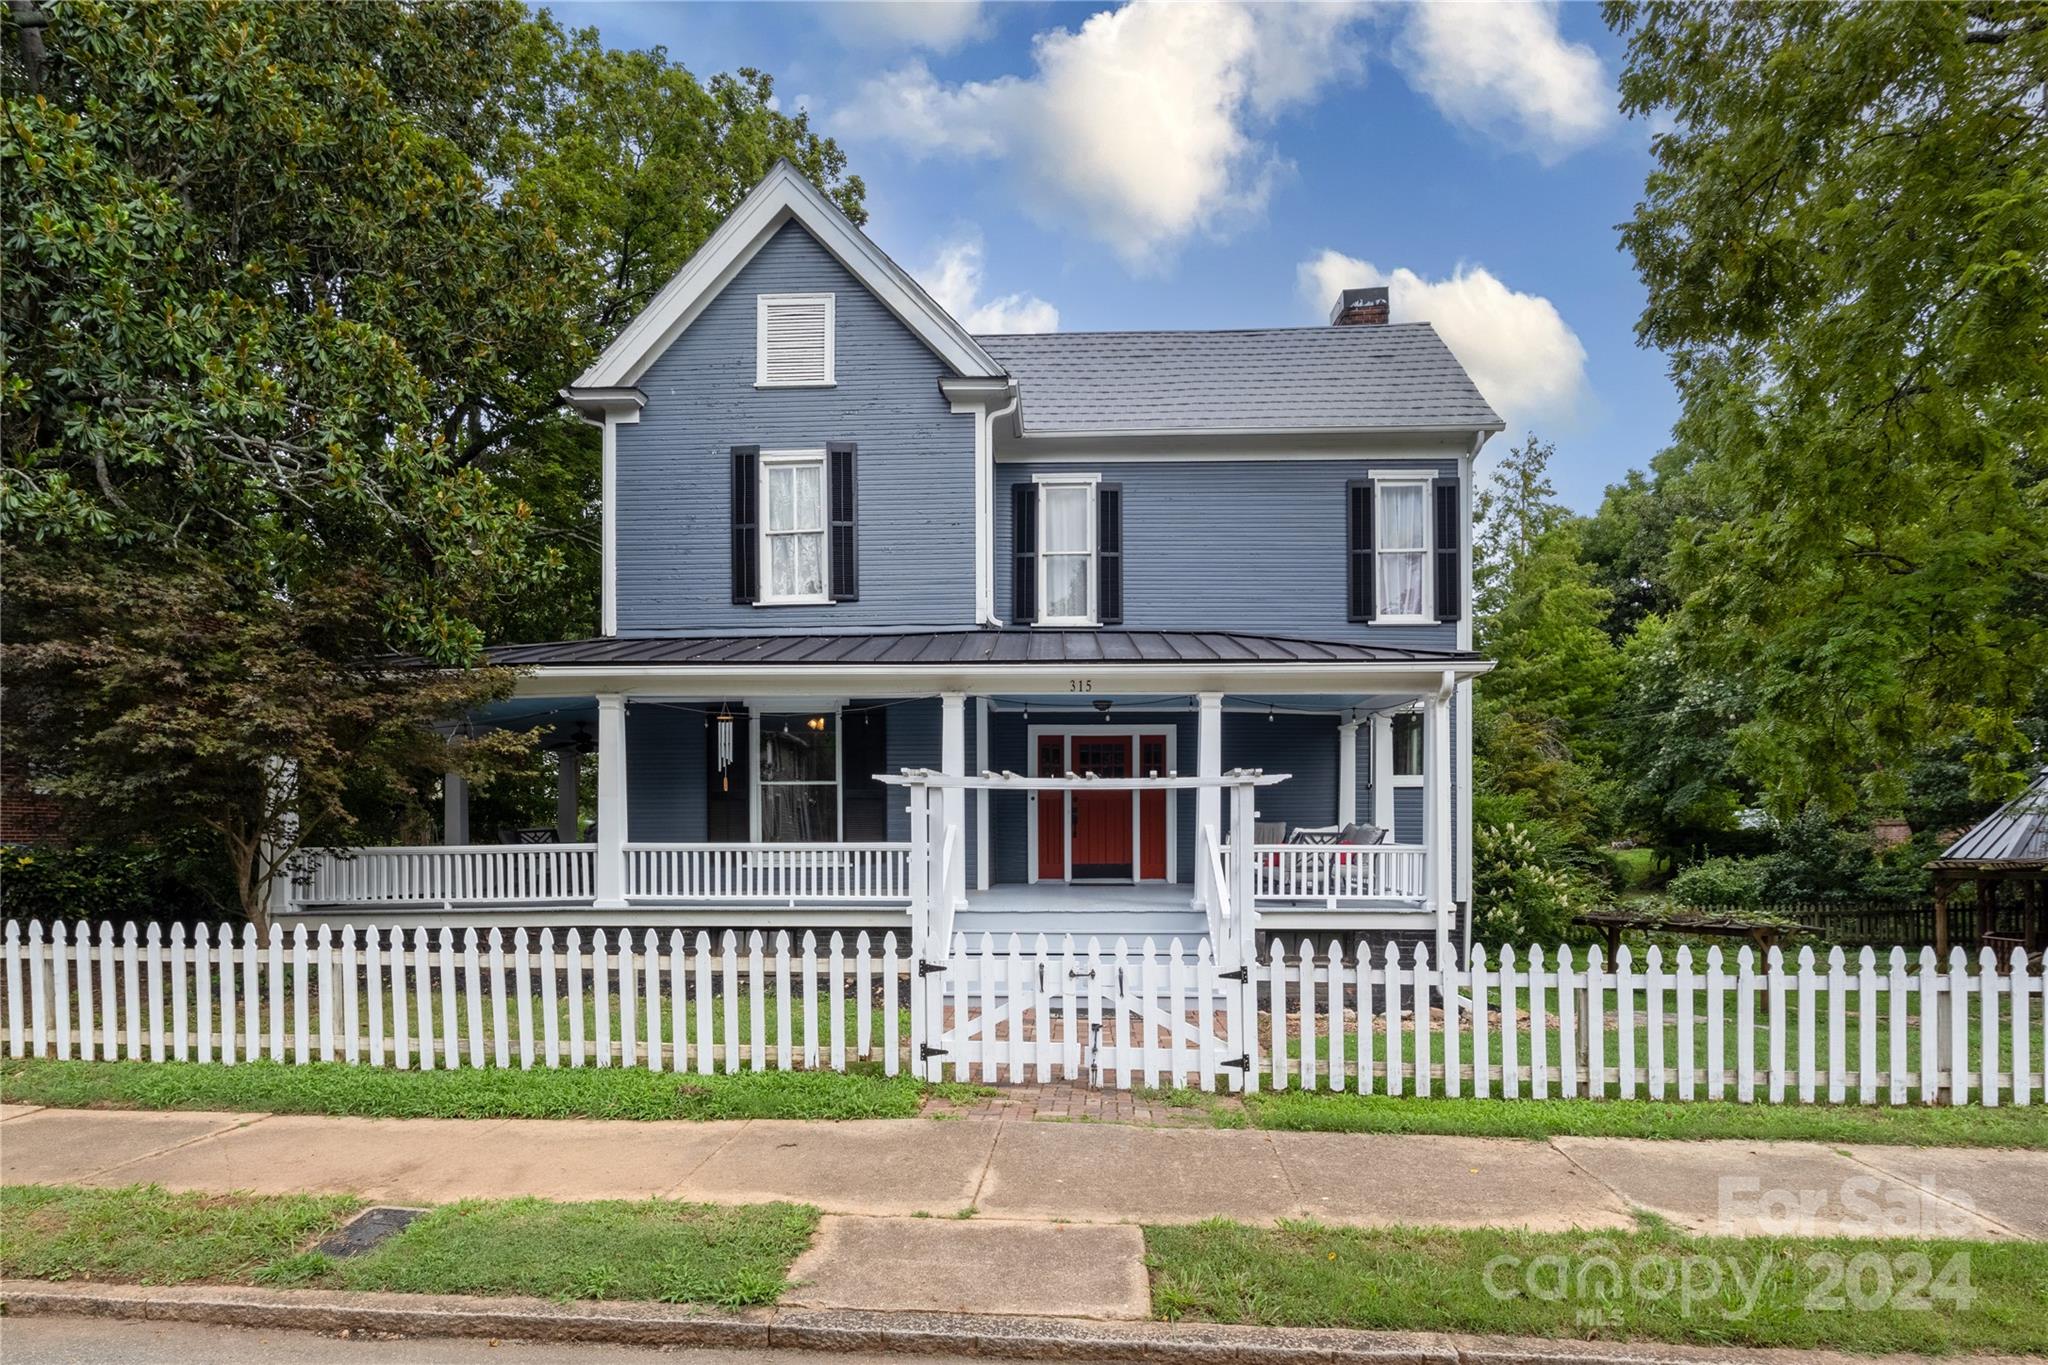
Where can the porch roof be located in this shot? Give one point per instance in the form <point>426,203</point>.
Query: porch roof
<point>942,649</point>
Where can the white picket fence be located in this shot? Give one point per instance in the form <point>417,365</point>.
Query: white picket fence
<point>1099,1014</point>
<point>449,999</point>
<point>1387,1021</point>
<point>1548,1026</point>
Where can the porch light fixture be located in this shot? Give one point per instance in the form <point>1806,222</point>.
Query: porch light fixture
<point>1102,704</point>
<point>816,723</point>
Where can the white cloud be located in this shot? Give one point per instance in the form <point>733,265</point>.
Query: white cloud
<point>1140,123</point>
<point>954,278</point>
<point>1504,70</point>
<point>937,25</point>
<point>1530,365</point>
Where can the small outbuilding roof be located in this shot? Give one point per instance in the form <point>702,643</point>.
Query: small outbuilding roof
<point>961,647</point>
<point>1390,377</point>
<point>2013,836</point>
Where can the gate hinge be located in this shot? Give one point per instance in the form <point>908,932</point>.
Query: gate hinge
<point>1242,1063</point>
<point>1236,974</point>
<point>925,1052</point>
<point>927,968</point>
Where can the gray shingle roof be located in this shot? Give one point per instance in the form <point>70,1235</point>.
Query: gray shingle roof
<point>2014,834</point>
<point>1393,377</point>
<point>954,647</point>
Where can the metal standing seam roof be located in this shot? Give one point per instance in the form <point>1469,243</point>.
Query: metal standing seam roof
<point>2015,835</point>
<point>960,647</point>
<point>1390,377</point>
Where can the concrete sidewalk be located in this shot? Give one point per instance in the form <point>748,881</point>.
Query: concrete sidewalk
<point>1047,1172</point>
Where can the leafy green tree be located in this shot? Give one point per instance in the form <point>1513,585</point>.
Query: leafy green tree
<point>1844,243</point>
<point>1671,732</point>
<point>160,699</point>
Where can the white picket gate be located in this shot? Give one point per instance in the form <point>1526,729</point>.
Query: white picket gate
<point>1081,1012</point>
<point>1549,1025</point>
<point>452,999</point>
<point>1538,1025</point>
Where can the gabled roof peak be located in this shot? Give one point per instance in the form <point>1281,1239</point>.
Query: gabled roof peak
<point>784,195</point>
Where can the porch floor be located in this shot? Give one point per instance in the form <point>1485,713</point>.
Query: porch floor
<point>1160,911</point>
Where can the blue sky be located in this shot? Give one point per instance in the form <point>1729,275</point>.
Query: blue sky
<point>1219,165</point>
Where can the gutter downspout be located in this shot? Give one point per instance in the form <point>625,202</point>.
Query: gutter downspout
<point>985,489</point>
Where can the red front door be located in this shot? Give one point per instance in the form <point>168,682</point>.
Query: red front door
<point>1103,841</point>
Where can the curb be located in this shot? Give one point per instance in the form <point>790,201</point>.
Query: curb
<point>634,1324</point>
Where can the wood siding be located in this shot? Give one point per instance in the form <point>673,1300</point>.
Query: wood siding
<point>916,462</point>
<point>1253,545</point>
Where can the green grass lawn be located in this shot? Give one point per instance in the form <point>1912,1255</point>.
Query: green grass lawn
<point>1911,1125</point>
<point>338,1088</point>
<point>1705,1291</point>
<point>651,1249</point>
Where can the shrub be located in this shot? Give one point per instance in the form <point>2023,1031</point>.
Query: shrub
<point>1528,879</point>
<point>179,882</point>
<point>1720,881</point>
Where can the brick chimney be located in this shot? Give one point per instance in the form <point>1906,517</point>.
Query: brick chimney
<point>1360,308</point>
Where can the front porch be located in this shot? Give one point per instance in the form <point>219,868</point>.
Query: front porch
<point>757,796</point>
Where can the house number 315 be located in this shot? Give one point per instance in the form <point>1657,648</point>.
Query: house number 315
<point>1080,684</point>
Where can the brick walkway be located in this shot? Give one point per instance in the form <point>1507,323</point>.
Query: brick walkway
<point>1062,1100</point>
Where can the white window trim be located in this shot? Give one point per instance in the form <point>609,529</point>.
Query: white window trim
<point>779,459</point>
<point>761,380</point>
<point>1038,559</point>
<point>794,706</point>
<point>1381,482</point>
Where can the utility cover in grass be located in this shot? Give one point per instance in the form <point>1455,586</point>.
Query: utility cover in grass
<point>366,1230</point>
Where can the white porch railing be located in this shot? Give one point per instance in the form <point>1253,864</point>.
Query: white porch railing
<point>500,873</point>
<point>1337,873</point>
<point>863,873</point>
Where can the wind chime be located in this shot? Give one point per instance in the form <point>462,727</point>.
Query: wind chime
<point>724,749</point>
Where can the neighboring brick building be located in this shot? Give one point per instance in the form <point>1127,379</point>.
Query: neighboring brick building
<point>27,816</point>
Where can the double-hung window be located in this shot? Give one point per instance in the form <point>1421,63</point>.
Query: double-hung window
<point>1405,744</point>
<point>799,784</point>
<point>1066,551</point>
<point>1401,554</point>
<point>793,558</point>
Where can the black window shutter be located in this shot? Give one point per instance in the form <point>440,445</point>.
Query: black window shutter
<point>1024,554</point>
<point>746,540</point>
<point>1448,597</point>
<point>841,460</point>
<point>1358,550</point>
<point>1109,553</point>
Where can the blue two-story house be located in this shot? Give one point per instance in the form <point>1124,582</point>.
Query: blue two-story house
<point>844,539</point>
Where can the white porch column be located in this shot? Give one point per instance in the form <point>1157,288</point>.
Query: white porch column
<point>953,762</point>
<point>1208,800</point>
<point>981,798</point>
<point>568,796</point>
<point>611,801</point>
<point>1383,771</point>
<point>1347,772</point>
<point>1436,769</point>
<point>454,809</point>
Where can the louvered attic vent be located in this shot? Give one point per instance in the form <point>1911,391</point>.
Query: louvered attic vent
<point>794,346</point>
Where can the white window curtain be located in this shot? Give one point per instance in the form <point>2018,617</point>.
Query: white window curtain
<point>795,527</point>
<point>1067,550</point>
<point>1403,523</point>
